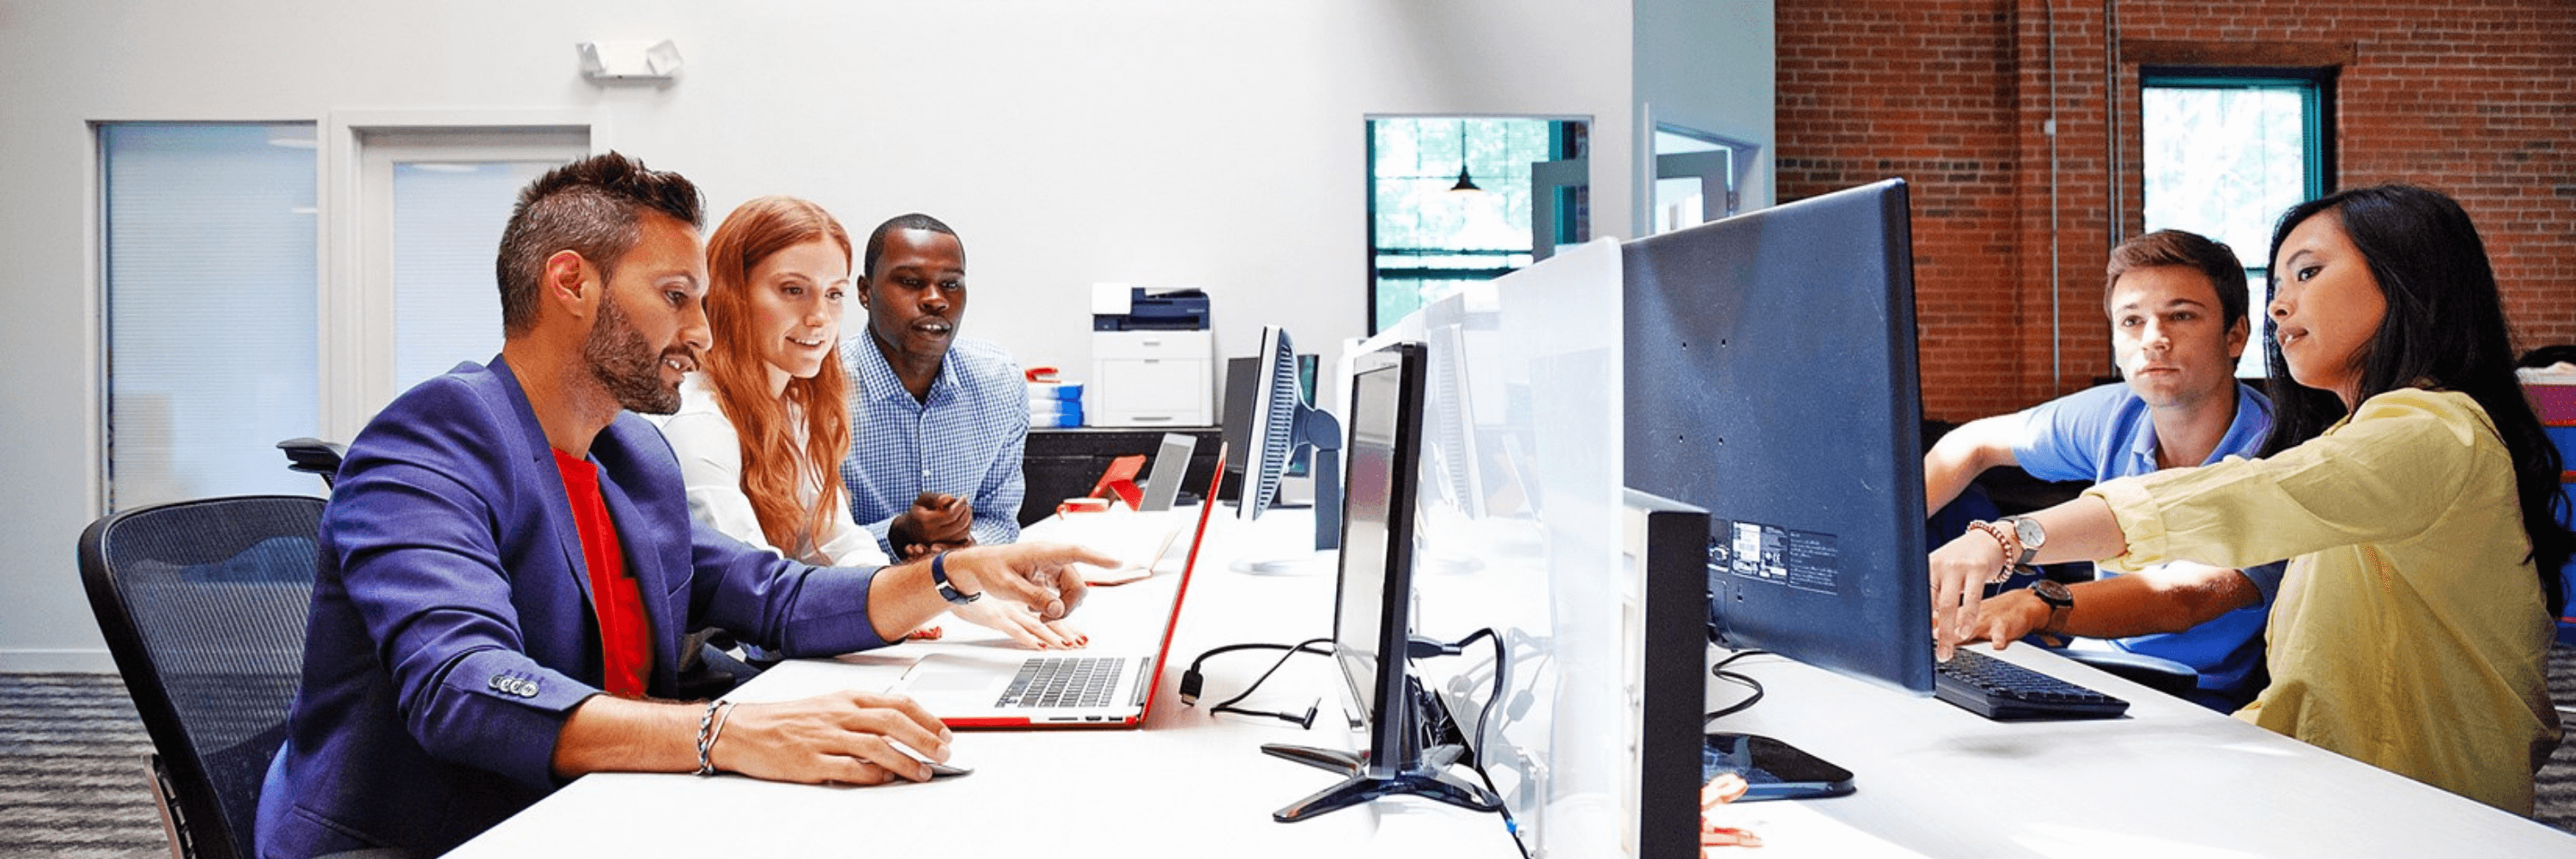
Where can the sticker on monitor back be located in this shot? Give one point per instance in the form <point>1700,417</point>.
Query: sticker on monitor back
<point>1805,560</point>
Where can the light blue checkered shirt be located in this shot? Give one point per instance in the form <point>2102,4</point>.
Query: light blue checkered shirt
<point>965,441</point>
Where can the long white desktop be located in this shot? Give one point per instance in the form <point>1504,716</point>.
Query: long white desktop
<point>2169,780</point>
<point>1186,784</point>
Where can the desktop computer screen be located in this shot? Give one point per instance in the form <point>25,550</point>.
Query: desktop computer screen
<point>1373,598</point>
<point>1373,593</point>
<point>1241,383</point>
<point>1770,379</point>
<point>1663,661</point>
<point>1283,421</point>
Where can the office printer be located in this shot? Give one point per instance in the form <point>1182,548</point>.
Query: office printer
<point>1174,310</point>
<point>1153,358</point>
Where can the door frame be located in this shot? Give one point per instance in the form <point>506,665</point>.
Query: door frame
<point>355,302</point>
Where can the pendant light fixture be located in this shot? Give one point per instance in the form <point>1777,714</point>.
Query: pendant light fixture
<point>1465,185</point>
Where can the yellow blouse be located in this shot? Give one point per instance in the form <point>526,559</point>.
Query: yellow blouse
<point>2409,633</point>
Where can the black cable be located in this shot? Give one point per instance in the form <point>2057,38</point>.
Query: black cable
<point>1730,659</point>
<point>1485,722</point>
<point>1719,671</point>
<point>1192,680</point>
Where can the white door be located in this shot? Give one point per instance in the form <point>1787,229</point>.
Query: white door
<point>430,207</point>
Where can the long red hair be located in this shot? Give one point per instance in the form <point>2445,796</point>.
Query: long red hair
<point>771,464</point>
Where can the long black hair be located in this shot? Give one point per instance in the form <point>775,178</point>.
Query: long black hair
<point>2445,330</point>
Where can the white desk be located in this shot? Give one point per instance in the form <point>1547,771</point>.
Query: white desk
<point>1186,784</point>
<point>2170,780</point>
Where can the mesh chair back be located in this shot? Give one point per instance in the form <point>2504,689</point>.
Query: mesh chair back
<point>203,604</point>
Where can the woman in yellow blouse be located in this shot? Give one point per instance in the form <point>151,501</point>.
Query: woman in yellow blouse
<point>2408,482</point>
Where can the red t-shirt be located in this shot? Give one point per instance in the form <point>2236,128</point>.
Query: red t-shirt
<point>625,641</point>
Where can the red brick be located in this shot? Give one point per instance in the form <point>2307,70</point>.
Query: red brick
<point>2472,98</point>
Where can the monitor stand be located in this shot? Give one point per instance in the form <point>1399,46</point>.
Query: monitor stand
<point>1289,564</point>
<point>1428,776</point>
<point>1424,773</point>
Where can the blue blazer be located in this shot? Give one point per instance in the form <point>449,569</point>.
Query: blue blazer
<point>451,629</point>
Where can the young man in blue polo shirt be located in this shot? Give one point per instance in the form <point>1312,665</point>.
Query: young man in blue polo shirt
<point>2178,323</point>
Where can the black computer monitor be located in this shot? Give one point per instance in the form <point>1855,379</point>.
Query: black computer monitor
<point>1665,543</point>
<point>1242,377</point>
<point>1283,420</point>
<point>1372,616</point>
<point>1770,379</point>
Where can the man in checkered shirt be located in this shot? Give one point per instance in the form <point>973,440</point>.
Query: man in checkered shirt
<point>937,424</point>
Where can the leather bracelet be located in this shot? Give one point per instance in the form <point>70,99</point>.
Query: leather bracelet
<point>708,727</point>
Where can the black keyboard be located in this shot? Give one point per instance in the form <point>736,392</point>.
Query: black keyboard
<point>1997,689</point>
<point>1063,681</point>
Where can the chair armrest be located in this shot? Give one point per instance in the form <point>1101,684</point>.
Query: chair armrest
<point>2154,672</point>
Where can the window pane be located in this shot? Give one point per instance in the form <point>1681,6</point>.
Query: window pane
<point>1431,239</point>
<point>448,219</point>
<point>2225,162</point>
<point>210,308</point>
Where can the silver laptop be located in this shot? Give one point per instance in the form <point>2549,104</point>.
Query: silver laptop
<point>1092,688</point>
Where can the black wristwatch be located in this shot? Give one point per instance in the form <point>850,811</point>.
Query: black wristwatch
<point>939,579</point>
<point>2058,598</point>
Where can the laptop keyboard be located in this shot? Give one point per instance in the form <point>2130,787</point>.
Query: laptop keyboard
<point>1064,681</point>
<point>1997,689</point>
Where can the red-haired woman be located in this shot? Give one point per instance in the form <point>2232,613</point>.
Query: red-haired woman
<point>762,428</point>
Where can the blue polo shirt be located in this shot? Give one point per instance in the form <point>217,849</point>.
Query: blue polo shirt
<point>2105,433</point>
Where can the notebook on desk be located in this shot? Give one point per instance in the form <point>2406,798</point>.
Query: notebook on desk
<point>1091,688</point>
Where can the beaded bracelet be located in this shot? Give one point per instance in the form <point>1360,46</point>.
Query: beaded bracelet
<point>2009,540</point>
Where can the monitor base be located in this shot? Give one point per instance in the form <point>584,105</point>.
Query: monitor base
<point>1428,777</point>
<point>1290,564</point>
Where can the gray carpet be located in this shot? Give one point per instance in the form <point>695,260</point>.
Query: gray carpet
<point>71,773</point>
<point>2555,800</point>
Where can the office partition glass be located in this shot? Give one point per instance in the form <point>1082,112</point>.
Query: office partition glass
<point>1520,517</point>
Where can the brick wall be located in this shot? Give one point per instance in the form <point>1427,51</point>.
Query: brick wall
<point>2476,99</point>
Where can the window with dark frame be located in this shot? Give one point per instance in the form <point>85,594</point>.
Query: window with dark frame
<point>2226,151</point>
<point>1426,239</point>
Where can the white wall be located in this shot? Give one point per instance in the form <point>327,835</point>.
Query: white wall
<point>1708,65</point>
<point>1183,141</point>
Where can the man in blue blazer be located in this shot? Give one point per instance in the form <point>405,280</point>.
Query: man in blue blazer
<point>506,541</point>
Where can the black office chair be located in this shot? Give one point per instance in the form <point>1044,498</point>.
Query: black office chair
<point>314,456</point>
<point>203,604</point>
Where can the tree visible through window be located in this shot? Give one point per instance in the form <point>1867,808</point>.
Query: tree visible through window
<point>1427,239</point>
<point>2226,152</point>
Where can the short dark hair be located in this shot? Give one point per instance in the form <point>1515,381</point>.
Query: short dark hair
<point>2444,329</point>
<point>592,207</point>
<point>911,221</point>
<point>2178,249</point>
